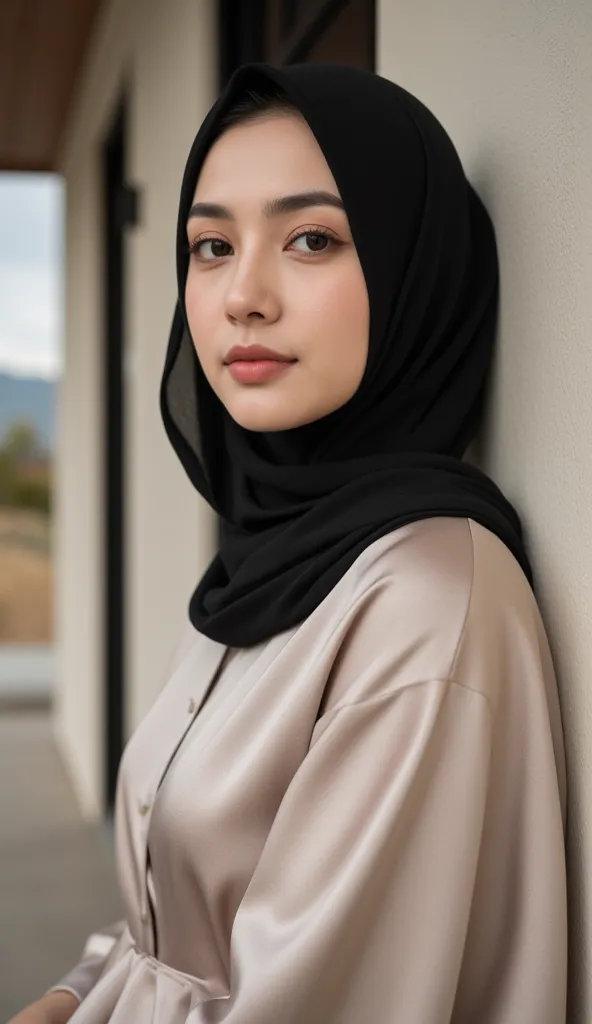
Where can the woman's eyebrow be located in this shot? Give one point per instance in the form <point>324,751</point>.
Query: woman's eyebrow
<point>273,207</point>
<point>289,204</point>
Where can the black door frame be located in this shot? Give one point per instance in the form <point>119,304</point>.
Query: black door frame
<point>241,35</point>
<point>113,404</point>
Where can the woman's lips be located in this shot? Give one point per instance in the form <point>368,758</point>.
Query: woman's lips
<point>256,364</point>
<point>258,371</point>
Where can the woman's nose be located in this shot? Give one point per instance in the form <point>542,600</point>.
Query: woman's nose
<point>252,296</point>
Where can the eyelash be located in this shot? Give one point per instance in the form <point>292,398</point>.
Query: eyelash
<point>194,247</point>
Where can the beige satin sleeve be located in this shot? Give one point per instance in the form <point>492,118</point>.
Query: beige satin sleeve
<point>97,948</point>
<point>358,909</point>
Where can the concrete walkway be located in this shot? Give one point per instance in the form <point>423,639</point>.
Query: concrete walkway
<point>57,878</point>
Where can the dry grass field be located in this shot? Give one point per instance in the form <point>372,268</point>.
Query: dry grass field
<point>25,577</point>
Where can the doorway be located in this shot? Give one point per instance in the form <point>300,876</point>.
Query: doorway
<point>294,31</point>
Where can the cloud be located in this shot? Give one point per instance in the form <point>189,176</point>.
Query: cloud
<point>30,321</point>
<point>31,268</point>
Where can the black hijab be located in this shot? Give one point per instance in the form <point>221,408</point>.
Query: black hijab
<point>298,507</point>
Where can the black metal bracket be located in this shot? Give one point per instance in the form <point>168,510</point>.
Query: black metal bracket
<point>128,206</point>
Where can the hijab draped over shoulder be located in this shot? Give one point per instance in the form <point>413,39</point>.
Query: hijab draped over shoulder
<point>297,507</point>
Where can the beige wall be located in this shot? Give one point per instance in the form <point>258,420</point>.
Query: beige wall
<point>511,80</point>
<point>168,60</point>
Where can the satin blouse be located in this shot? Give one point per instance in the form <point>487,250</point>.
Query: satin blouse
<point>359,820</point>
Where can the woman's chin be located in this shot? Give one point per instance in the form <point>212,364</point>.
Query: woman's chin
<point>265,421</point>
<point>264,414</point>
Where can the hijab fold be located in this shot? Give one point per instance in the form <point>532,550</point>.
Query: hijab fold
<point>298,507</point>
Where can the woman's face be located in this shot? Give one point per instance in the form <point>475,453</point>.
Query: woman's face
<point>273,265</point>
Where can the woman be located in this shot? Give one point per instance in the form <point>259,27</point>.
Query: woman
<point>347,804</point>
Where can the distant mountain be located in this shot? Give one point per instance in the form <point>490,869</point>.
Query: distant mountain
<point>31,399</point>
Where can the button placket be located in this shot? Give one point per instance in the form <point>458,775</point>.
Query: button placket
<point>144,806</point>
<point>210,664</point>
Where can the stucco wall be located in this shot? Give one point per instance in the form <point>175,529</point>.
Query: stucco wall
<point>168,62</point>
<point>511,80</point>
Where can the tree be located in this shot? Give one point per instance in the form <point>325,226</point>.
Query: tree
<point>18,488</point>
<point>20,442</point>
<point>8,480</point>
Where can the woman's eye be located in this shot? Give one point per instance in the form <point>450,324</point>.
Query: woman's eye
<point>311,241</point>
<point>209,249</point>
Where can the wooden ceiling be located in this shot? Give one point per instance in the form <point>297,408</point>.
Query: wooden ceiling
<point>42,44</point>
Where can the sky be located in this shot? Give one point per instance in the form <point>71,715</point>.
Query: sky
<point>31,274</point>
